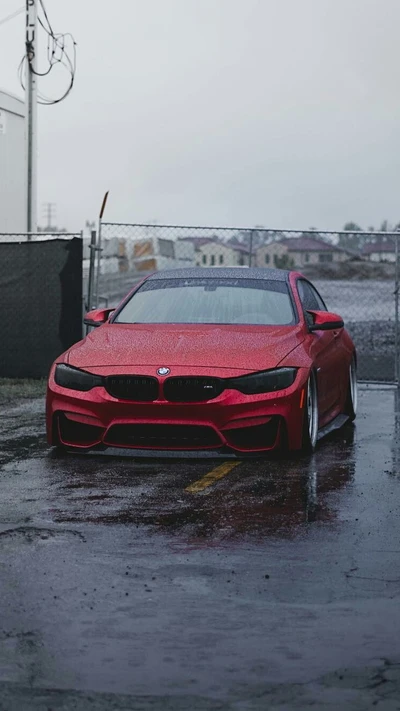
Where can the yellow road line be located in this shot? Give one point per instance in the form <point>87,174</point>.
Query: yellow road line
<point>212,476</point>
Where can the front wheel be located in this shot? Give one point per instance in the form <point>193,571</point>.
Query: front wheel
<point>351,399</point>
<point>310,420</point>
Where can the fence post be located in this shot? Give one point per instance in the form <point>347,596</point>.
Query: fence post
<point>92,248</point>
<point>396,311</point>
<point>251,249</point>
<point>84,309</point>
<point>99,251</point>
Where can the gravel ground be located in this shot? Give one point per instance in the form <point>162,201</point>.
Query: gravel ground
<point>349,689</point>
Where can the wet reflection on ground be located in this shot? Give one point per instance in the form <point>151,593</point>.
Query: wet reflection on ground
<point>116,578</point>
<point>259,497</point>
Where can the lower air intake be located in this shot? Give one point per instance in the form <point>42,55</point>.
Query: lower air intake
<point>148,436</point>
<point>78,433</point>
<point>254,438</point>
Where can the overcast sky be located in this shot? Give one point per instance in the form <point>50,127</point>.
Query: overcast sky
<point>282,113</point>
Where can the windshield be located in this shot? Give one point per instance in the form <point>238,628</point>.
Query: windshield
<point>216,301</point>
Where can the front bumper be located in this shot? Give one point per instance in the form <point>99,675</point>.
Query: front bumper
<point>242,423</point>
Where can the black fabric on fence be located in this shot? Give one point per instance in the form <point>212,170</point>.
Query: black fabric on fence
<point>41,304</point>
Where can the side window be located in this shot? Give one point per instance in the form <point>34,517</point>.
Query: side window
<point>309,297</point>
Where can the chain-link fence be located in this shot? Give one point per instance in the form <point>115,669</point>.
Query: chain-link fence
<point>41,293</point>
<point>355,273</point>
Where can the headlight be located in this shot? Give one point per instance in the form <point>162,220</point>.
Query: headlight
<point>266,382</point>
<point>75,379</point>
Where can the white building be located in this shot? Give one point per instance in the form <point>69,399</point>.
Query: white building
<point>13,217</point>
<point>212,252</point>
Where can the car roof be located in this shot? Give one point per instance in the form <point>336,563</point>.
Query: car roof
<point>222,273</point>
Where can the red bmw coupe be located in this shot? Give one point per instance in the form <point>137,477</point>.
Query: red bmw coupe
<point>241,360</point>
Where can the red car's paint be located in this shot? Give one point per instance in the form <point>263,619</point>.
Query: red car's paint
<point>248,348</point>
<point>232,419</point>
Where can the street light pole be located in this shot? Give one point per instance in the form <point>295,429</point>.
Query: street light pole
<point>31,114</point>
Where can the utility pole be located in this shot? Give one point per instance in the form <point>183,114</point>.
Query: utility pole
<point>31,113</point>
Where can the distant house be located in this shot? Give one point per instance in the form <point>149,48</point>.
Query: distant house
<point>212,252</point>
<point>298,252</point>
<point>380,251</point>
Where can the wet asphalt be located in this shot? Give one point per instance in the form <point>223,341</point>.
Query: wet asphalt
<point>126,585</point>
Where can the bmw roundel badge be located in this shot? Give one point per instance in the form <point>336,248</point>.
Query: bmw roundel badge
<point>163,371</point>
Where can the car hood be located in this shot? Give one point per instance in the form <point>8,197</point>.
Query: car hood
<point>206,346</point>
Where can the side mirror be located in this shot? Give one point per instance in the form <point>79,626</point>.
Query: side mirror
<point>325,321</point>
<point>97,317</point>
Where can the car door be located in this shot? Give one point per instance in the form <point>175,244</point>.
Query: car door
<point>324,353</point>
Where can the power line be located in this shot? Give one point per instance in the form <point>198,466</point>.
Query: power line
<point>13,14</point>
<point>57,53</point>
<point>46,16</point>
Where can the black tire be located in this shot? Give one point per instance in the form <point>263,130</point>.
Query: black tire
<point>310,420</point>
<point>351,398</point>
